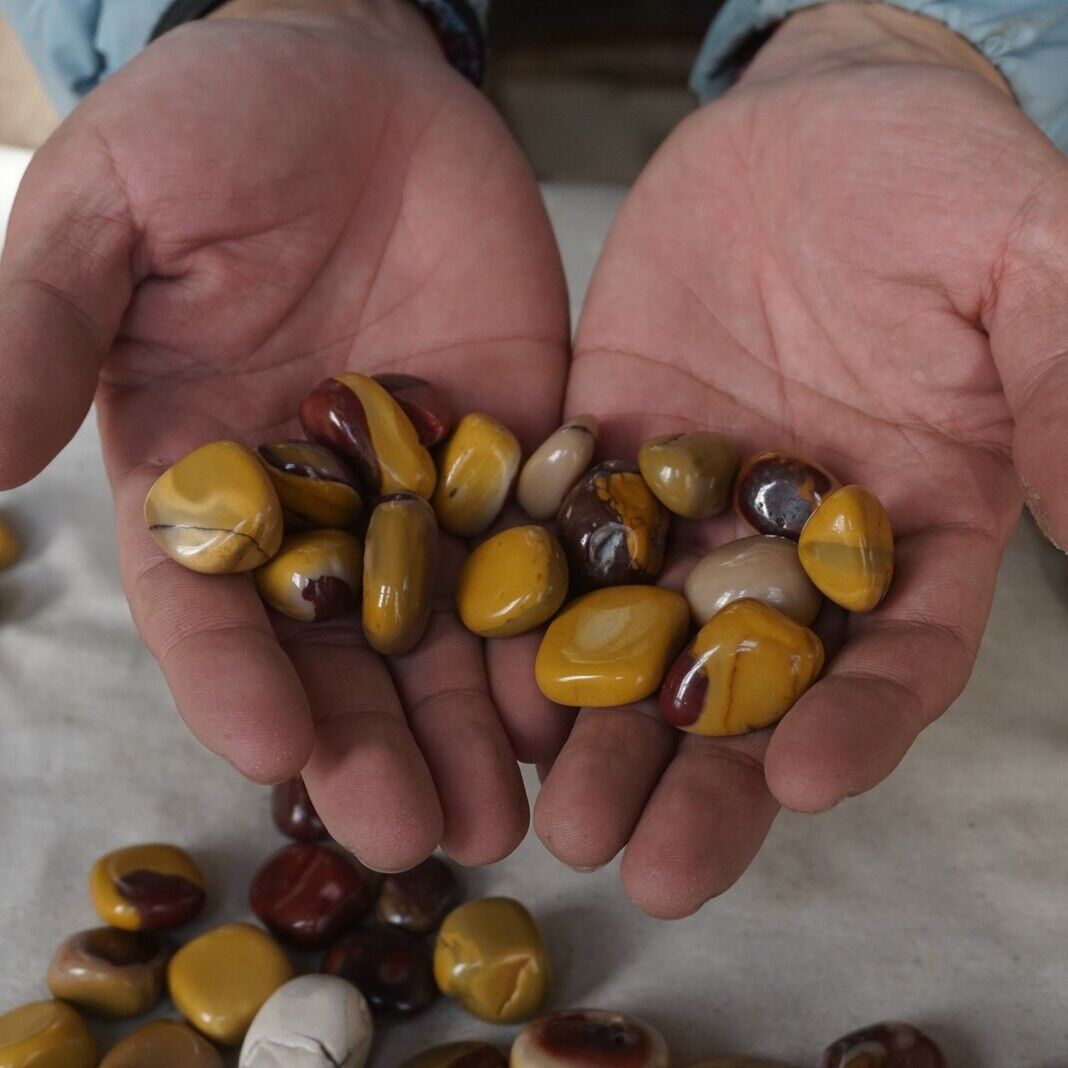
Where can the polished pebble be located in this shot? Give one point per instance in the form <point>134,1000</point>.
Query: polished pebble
<point>109,972</point>
<point>612,528</point>
<point>884,1045</point>
<point>417,899</point>
<point>776,492</point>
<point>555,466</point>
<point>512,583</point>
<point>390,967</point>
<point>691,474</point>
<point>314,576</point>
<point>589,1038</point>
<point>307,895</point>
<point>10,545</point>
<point>425,404</point>
<point>293,812</point>
<point>399,572</point>
<point>315,486</point>
<point>219,981</point>
<point>216,510</point>
<point>745,669</point>
<point>490,958</point>
<point>146,887</point>
<point>314,1021</point>
<point>612,646</point>
<point>764,568</point>
<point>163,1044</point>
<point>459,1055</point>
<point>357,416</point>
<point>847,548</point>
<point>45,1034</point>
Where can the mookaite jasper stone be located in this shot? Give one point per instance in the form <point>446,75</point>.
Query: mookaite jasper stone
<point>45,1034</point>
<point>691,474</point>
<point>9,545</point>
<point>146,887</point>
<point>314,576</point>
<point>885,1045</point>
<point>399,570</point>
<point>764,568</point>
<point>459,1055</point>
<point>163,1044</point>
<point>612,528</point>
<point>357,416</point>
<point>555,466</point>
<point>776,492</point>
<point>745,669</point>
<point>612,646</point>
<point>417,899</point>
<point>219,981</point>
<point>847,548</point>
<point>490,958</point>
<point>109,972</point>
<point>424,403</point>
<point>477,468</point>
<point>589,1038</point>
<point>293,812</point>
<point>390,967</point>
<point>512,583</point>
<point>316,488</point>
<point>307,895</point>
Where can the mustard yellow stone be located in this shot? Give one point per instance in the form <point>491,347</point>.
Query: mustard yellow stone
<point>10,546</point>
<point>219,981</point>
<point>478,465</point>
<point>153,886</point>
<point>612,646</point>
<point>45,1034</point>
<point>490,958</point>
<point>216,510</point>
<point>691,474</point>
<point>315,487</point>
<point>512,583</point>
<point>314,576</point>
<point>847,549</point>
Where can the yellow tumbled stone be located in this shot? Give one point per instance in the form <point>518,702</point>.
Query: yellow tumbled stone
<point>847,549</point>
<point>146,887</point>
<point>45,1034</point>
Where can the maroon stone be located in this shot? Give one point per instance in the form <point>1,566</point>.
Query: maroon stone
<point>390,967</point>
<point>121,949</point>
<point>162,901</point>
<point>332,415</point>
<point>329,595</point>
<point>884,1045</point>
<point>776,492</point>
<point>425,405</point>
<point>576,1037</point>
<point>293,811</point>
<point>831,626</point>
<point>417,900</point>
<point>682,694</point>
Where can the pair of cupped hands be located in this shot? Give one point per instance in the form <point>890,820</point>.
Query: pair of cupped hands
<point>859,253</point>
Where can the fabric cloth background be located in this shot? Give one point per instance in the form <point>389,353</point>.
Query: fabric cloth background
<point>941,897</point>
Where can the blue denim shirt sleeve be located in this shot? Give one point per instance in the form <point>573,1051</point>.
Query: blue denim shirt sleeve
<point>1027,40</point>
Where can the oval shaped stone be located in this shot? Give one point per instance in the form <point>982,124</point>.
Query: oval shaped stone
<point>221,979</point>
<point>555,466</point>
<point>146,887</point>
<point>315,486</point>
<point>762,568</point>
<point>163,1044</point>
<point>399,571</point>
<point>512,583</point>
<point>294,813</point>
<point>691,474</point>
<point>477,467</point>
<point>425,404</point>
<point>847,549</point>
<point>417,899</point>
<point>10,545</point>
<point>776,492</point>
<point>216,511</point>
<point>109,972</point>
<point>611,647</point>
<point>884,1045</point>
<point>459,1055</point>
<point>490,958</point>
<point>45,1034</point>
<point>390,967</point>
<point>745,669</point>
<point>314,576</point>
<point>585,1038</point>
<point>612,528</point>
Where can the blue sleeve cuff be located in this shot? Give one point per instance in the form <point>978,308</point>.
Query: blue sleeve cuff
<point>1027,40</point>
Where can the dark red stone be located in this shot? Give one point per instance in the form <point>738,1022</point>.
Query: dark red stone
<point>390,967</point>
<point>831,626</point>
<point>332,415</point>
<point>162,901</point>
<point>425,405</point>
<point>122,948</point>
<point>293,811</point>
<point>776,492</point>
<point>884,1045</point>
<point>576,1037</point>
<point>417,900</point>
<point>329,595</point>
<point>682,694</point>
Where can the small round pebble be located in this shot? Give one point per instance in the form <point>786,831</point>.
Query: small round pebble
<point>427,406</point>
<point>390,967</point>
<point>418,899</point>
<point>294,813</point>
<point>884,1045</point>
<point>555,466</point>
<point>163,1044</point>
<point>589,1038</point>
<point>776,492</point>
<point>316,488</point>
<point>691,474</point>
<point>146,887</point>
<point>45,1034</point>
<point>314,576</point>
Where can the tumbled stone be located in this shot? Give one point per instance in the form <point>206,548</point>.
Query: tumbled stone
<point>425,404</point>
<point>691,474</point>
<point>45,1034</point>
<point>417,899</point>
<point>555,466</point>
<point>293,812</point>
<point>315,487</point>
<point>163,1044</point>
<point>589,1038</point>
<point>314,576</point>
<point>884,1045</point>
<point>390,967</point>
<point>776,492</point>
<point>146,887</point>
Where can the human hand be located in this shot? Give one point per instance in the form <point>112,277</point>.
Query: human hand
<point>257,202</point>
<point>860,253</point>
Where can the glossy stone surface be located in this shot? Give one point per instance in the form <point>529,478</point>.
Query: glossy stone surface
<point>884,1045</point>
<point>109,972</point>
<point>10,545</point>
<point>358,417</point>
<point>307,895</point>
<point>216,510</point>
<point>512,583</point>
<point>399,571</point>
<point>555,466</point>
<point>764,568</point>
<point>459,1055</point>
<point>477,467</point>
<point>314,485</point>
<point>45,1034</point>
<point>691,474</point>
<point>612,646</point>
<point>146,887</point>
<point>390,967</point>
<point>490,958</point>
<point>589,1038</point>
<point>417,899</point>
<point>776,492</point>
<point>219,981</point>
<point>847,549</point>
<point>744,670</point>
<point>425,404</point>
<point>163,1044</point>
<point>314,1021</point>
<point>612,528</point>
<point>314,576</point>
<point>293,812</point>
